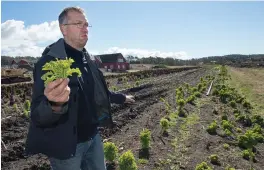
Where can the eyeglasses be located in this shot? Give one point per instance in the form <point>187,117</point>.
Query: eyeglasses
<point>80,24</point>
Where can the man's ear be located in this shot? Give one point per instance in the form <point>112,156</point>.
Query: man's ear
<point>63,30</point>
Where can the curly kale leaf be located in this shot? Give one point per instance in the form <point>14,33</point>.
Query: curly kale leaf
<point>59,69</point>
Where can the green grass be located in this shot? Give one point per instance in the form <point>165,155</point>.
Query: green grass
<point>250,83</point>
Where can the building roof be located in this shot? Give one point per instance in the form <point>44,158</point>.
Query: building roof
<point>21,61</point>
<point>109,58</point>
<point>13,62</point>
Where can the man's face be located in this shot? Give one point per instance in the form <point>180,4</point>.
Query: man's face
<point>77,33</point>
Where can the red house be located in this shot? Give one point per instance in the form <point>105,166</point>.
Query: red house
<point>23,62</point>
<point>115,62</point>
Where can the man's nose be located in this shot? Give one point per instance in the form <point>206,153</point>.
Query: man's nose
<point>84,29</point>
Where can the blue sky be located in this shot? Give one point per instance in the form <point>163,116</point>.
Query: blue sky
<point>179,29</point>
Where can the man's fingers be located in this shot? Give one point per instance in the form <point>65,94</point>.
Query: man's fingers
<point>132,101</point>
<point>52,85</point>
<point>56,93</point>
<point>130,96</point>
<point>58,90</point>
<point>129,99</point>
<point>64,97</point>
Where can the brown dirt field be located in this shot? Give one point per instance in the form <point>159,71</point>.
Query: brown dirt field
<point>187,144</point>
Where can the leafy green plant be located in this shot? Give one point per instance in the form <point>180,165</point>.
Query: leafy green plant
<point>190,99</point>
<point>145,138</point>
<point>227,125</point>
<point>27,105</point>
<point>203,166</point>
<point>240,99</point>
<point>164,124</point>
<point>257,129</point>
<point>212,128</point>
<point>15,107</point>
<point>233,103</point>
<point>226,146</point>
<point>194,89</point>
<point>246,154</point>
<point>246,104</point>
<point>110,151</point>
<point>187,86</point>
<point>127,161</point>
<point>214,159</point>
<point>58,69</point>
<point>180,88</point>
<point>258,120</point>
<point>229,168</point>
<point>227,132</point>
<point>142,161</point>
<point>199,87</point>
<point>239,130</point>
<point>249,139</point>
<point>167,105</point>
<point>197,94</point>
<point>179,93</point>
<point>224,95</point>
<point>244,119</point>
<point>137,83</point>
<point>181,102</point>
<point>26,113</point>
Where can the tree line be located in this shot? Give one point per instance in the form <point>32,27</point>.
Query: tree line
<point>232,59</point>
<point>6,60</point>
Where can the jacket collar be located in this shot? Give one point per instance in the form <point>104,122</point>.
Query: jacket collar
<point>57,49</point>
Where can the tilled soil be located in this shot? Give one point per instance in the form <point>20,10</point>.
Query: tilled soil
<point>129,121</point>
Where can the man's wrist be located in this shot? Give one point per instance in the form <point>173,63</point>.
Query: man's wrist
<point>55,103</point>
<point>56,106</point>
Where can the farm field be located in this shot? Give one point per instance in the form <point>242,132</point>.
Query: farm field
<point>250,82</point>
<point>188,129</point>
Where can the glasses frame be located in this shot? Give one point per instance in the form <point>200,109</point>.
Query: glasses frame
<point>79,24</point>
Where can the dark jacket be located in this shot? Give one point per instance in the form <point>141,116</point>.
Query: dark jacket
<point>55,134</point>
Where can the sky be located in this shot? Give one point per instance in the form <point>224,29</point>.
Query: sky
<point>181,30</point>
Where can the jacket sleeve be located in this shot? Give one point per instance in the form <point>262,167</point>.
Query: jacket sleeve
<point>118,98</point>
<point>41,112</point>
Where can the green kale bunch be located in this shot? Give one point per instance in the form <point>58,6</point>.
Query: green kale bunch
<point>59,69</point>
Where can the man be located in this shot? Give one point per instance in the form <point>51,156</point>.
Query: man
<point>66,113</point>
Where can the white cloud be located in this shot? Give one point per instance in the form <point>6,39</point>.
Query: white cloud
<point>18,40</point>
<point>146,53</point>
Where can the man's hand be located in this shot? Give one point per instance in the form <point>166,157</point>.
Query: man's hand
<point>130,99</point>
<point>58,92</point>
